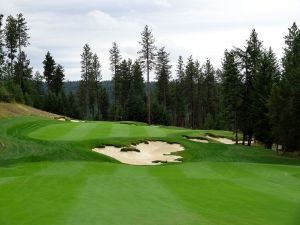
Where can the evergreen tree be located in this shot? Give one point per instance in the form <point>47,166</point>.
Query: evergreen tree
<point>11,41</point>
<point>126,77</point>
<point>23,71</point>
<point>163,75</point>
<point>179,90</point>
<point>135,105</point>
<point>96,79</point>
<point>210,95</point>
<point>86,73</point>
<point>49,68</point>
<point>189,91</point>
<point>250,60</point>
<point>115,59</point>
<point>231,92</point>
<point>22,32</point>
<point>284,103</point>
<point>103,102</point>
<point>58,78</point>
<point>147,60</point>
<point>2,54</point>
<point>38,98</point>
<point>268,74</point>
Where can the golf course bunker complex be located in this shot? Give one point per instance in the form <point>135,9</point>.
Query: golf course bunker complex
<point>150,153</point>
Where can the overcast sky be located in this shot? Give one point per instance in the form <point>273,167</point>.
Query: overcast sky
<point>202,28</point>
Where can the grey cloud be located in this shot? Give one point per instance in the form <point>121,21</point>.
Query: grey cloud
<point>202,28</point>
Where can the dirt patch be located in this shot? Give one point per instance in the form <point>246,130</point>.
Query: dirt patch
<point>151,153</point>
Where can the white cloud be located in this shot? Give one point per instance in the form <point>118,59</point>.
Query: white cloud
<point>202,28</point>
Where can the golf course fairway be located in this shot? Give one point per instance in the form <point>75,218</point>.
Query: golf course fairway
<point>49,175</point>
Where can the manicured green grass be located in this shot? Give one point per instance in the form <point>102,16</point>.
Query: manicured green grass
<point>50,176</point>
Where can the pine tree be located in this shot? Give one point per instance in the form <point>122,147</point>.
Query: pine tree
<point>11,41</point>
<point>96,82</point>
<point>231,92</point>
<point>268,74</point>
<point>49,68</point>
<point>147,60</point>
<point>284,103</point>
<point>163,75</point>
<point>135,105</point>
<point>103,102</point>
<point>57,80</point>
<point>115,59</point>
<point>22,32</point>
<point>250,61</point>
<point>23,71</point>
<point>179,90</point>
<point>86,73</point>
<point>2,54</point>
<point>210,97</point>
<point>189,91</point>
<point>125,71</point>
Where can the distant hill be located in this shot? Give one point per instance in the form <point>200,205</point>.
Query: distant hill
<point>16,109</point>
<point>73,86</point>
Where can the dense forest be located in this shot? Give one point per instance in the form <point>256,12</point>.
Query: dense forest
<point>253,92</point>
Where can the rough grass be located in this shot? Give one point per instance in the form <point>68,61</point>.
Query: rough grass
<point>50,176</point>
<point>16,109</point>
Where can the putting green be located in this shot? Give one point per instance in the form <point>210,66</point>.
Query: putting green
<point>50,176</point>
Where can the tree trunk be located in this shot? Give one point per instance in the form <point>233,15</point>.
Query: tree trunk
<point>249,139</point>
<point>236,129</point>
<point>148,95</point>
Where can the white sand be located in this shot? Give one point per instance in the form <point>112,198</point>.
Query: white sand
<point>222,140</point>
<point>198,140</point>
<point>61,119</point>
<point>75,121</point>
<point>154,150</point>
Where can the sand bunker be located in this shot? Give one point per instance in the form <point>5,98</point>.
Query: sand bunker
<point>152,153</point>
<point>222,140</point>
<point>198,140</point>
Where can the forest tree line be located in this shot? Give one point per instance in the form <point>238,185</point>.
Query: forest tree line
<point>253,92</point>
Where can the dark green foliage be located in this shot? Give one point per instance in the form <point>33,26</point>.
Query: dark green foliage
<point>11,41</point>
<point>135,105</point>
<point>2,53</point>
<point>250,60</point>
<point>57,79</point>
<point>161,115</point>
<point>284,103</point>
<point>163,75</point>
<point>231,91</point>
<point>267,75</point>
<point>22,71</point>
<point>49,68</point>
<point>89,85</point>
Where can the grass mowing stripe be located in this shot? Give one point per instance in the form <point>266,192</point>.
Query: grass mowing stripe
<point>128,196</point>
<point>101,131</point>
<point>138,131</point>
<point>154,131</point>
<point>79,132</point>
<point>234,204</point>
<point>53,131</point>
<point>119,130</point>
